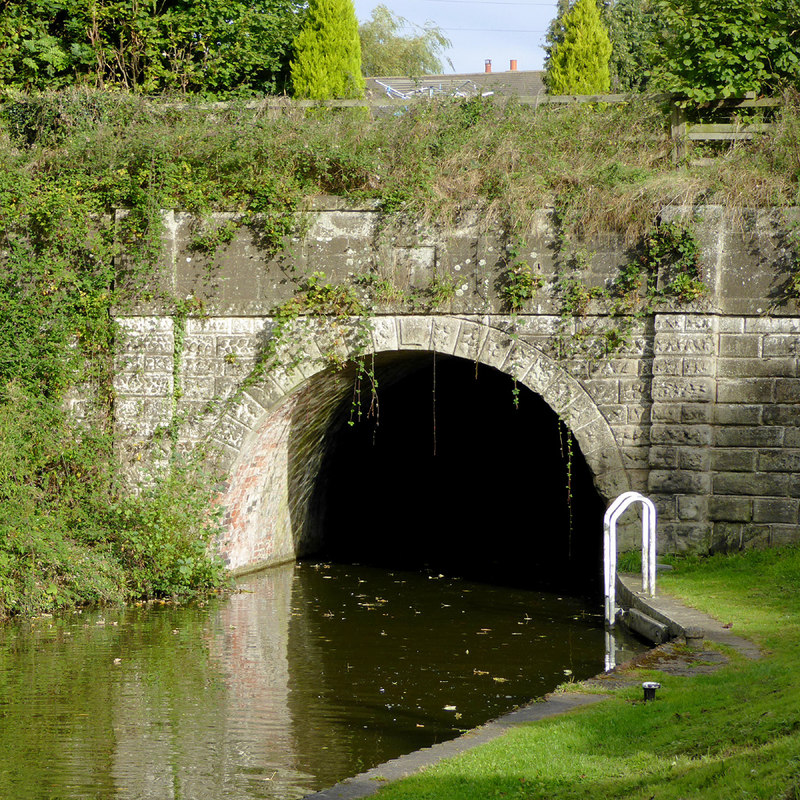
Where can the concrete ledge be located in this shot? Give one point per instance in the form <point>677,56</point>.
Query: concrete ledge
<point>678,617</point>
<point>648,628</point>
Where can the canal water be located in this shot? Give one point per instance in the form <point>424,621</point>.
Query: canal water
<point>310,673</point>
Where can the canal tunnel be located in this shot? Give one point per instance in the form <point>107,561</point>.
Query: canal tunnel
<point>451,467</point>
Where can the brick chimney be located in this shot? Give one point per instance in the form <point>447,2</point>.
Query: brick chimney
<point>487,67</point>
<point>513,65</point>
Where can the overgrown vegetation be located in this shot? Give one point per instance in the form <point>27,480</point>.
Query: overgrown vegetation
<point>730,733</point>
<point>712,49</point>
<point>216,48</point>
<point>69,532</point>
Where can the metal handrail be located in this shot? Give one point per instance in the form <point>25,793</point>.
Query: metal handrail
<point>613,512</point>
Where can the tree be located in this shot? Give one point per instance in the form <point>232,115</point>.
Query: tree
<point>327,61</point>
<point>578,63</point>
<point>210,47</point>
<point>632,28</point>
<point>385,50</point>
<point>555,32</point>
<point>710,49</point>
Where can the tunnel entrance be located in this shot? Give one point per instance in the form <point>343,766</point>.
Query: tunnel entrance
<point>452,475</point>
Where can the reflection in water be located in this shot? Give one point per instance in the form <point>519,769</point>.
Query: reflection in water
<point>308,675</point>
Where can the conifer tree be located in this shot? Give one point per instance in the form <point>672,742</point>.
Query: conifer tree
<point>578,64</point>
<point>555,31</point>
<point>327,61</point>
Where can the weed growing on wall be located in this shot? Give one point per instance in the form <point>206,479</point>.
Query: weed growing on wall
<point>517,282</point>
<point>665,268</point>
<point>69,530</point>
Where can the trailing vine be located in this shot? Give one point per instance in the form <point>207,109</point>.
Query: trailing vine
<point>517,282</point>
<point>566,444</point>
<point>665,267</point>
<point>792,286</point>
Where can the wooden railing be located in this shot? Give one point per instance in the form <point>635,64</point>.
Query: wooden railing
<point>683,132</point>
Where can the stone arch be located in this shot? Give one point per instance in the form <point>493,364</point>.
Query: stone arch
<point>252,437</point>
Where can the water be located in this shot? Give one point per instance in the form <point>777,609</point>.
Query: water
<point>310,674</point>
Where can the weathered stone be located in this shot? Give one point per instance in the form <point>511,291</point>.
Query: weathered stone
<point>755,390</point>
<point>785,415</point>
<point>741,415</point>
<point>787,391</point>
<point>634,390</point>
<point>143,385</point>
<point>737,460</point>
<point>670,390</point>
<point>757,367</point>
<point>694,435</point>
<point>696,414</point>
<point>730,537</point>
<point>700,366</point>
<point>781,345</point>
<point>603,392</point>
<point>742,436</point>
<point>691,507</point>
<point>730,509</point>
<point>778,460</point>
<point>684,345</point>
<point>663,457</point>
<point>772,509</point>
<point>694,401</point>
<point>694,458</point>
<point>679,482</point>
<point>770,484</point>
<point>746,346</point>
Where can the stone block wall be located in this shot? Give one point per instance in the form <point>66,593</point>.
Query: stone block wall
<point>698,409</point>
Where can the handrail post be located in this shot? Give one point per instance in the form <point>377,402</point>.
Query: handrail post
<point>613,512</point>
<point>678,131</point>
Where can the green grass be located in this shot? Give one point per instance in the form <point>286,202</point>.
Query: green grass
<point>731,734</point>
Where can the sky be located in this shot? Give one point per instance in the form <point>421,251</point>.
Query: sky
<point>479,29</point>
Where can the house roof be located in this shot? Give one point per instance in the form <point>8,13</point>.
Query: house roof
<point>513,82</point>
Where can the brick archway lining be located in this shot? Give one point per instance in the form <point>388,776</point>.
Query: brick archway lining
<point>256,435</point>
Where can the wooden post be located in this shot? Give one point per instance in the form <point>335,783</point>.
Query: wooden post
<point>678,133</point>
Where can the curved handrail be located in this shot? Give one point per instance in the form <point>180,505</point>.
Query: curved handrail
<point>613,512</point>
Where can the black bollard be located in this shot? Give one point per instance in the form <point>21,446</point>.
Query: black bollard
<point>650,690</point>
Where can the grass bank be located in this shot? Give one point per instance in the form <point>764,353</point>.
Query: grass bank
<point>734,733</point>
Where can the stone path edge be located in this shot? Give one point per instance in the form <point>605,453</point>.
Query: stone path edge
<point>372,780</point>
<point>663,607</point>
<point>678,617</point>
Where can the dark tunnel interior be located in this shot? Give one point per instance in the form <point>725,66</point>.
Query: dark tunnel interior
<point>451,476</point>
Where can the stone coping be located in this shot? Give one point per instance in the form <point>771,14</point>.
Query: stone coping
<point>678,617</point>
<point>369,782</point>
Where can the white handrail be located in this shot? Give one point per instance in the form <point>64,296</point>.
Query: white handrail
<point>613,512</point>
